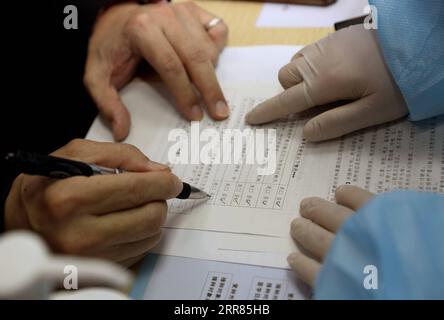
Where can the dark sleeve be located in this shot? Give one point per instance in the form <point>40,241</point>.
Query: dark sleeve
<point>47,105</point>
<point>87,12</point>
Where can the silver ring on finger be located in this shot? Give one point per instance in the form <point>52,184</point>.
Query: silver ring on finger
<point>212,23</point>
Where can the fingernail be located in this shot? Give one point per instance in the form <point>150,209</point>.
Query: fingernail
<point>295,225</point>
<point>156,166</point>
<point>311,132</point>
<point>196,113</point>
<point>178,184</point>
<point>222,109</point>
<point>253,116</point>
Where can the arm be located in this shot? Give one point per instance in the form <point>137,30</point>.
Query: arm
<point>410,33</point>
<point>59,55</point>
<point>401,234</point>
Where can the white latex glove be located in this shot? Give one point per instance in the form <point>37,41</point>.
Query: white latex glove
<point>346,67</point>
<point>316,229</point>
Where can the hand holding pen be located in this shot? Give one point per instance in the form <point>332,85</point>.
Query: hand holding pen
<point>61,168</point>
<point>113,216</point>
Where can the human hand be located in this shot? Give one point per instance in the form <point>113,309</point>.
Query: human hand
<point>348,68</point>
<point>173,40</point>
<point>316,229</point>
<point>116,217</point>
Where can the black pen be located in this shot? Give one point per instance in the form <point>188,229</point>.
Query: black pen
<point>60,168</point>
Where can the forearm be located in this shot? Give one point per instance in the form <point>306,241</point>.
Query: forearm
<point>410,34</point>
<point>400,234</point>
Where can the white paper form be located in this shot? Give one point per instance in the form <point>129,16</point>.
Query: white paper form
<point>397,155</point>
<point>242,201</point>
<point>301,16</point>
<point>158,279</point>
<point>228,247</point>
<point>379,159</point>
<point>150,134</point>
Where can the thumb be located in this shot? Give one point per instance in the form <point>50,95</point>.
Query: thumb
<point>108,102</point>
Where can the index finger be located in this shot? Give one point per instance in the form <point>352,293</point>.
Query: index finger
<point>196,56</point>
<point>292,100</point>
<point>204,77</point>
<point>103,194</point>
<point>156,49</point>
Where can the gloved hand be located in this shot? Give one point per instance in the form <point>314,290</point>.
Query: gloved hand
<point>316,229</point>
<point>346,67</point>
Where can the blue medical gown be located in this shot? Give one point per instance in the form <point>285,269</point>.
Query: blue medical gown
<point>400,233</point>
<point>411,34</point>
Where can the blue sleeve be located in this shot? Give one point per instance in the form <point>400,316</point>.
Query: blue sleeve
<point>401,234</point>
<point>411,34</point>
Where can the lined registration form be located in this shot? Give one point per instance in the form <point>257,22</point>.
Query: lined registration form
<point>248,218</point>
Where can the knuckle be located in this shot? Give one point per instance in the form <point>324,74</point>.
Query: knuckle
<point>59,204</point>
<point>136,189</point>
<point>171,64</point>
<point>165,10</point>
<point>189,4</point>
<point>129,148</point>
<point>198,55</point>
<point>138,21</point>
<point>185,6</point>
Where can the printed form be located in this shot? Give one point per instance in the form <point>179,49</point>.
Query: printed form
<point>211,280</point>
<point>248,217</point>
